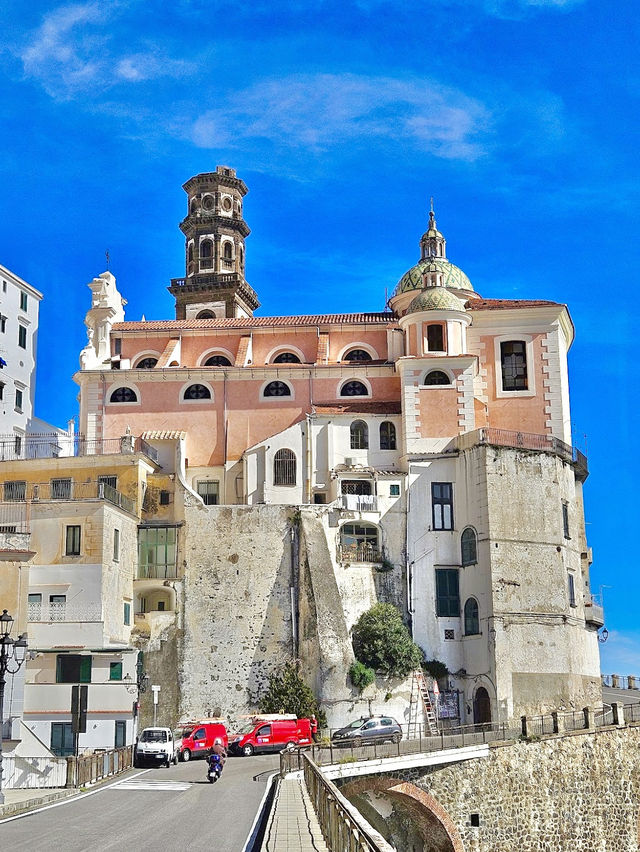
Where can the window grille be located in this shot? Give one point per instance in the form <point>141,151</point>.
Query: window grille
<point>61,489</point>
<point>277,389</point>
<point>123,395</point>
<point>437,377</point>
<point>197,392</point>
<point>357,355</point>
<point>146,364</point>
<point>14,491</point>
<point>286,358</point>
<point>284,468</point>
<point>217,361</point>
<point>354,389</point>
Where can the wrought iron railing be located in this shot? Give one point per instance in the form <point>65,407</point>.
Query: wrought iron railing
<point>359,502</point>
<point>45,491</point>
<point>47,446</point>
<point>62,612</point>
<point>361,553</point>
<point>158,571</point>
<point>526,441</point>
<point>14,518</point>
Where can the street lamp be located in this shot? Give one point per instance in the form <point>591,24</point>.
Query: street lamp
<point>12,655</point>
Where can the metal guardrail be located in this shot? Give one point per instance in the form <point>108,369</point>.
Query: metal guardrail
<point>86,769</point>
<point>58,490</point>
<point>14,518</point>
<point>526,441</point>
<point>52,446</point>
<point>614,681</point>
<point>343,828</point>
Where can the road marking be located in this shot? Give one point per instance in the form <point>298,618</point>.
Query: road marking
<point>66,801</point>
<point>253,831</point>
<point>170,786</point>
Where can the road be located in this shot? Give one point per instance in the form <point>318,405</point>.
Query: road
<point>156,809</point>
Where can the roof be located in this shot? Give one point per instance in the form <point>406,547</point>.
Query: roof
<point>452,276</point>
<point>163,435</point>
<point>365,406</point>
<point>377,318</point>
<point>435,299</point>
<point>505,304</point>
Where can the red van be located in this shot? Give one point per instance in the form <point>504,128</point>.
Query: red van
<point>271,733</point>
<point>196,739</point>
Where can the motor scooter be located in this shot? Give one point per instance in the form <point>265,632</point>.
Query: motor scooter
<point>214,768</point>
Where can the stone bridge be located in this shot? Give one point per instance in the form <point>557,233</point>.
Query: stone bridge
<point>577,791</point>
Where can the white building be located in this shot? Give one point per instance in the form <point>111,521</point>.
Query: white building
<point>19,305</point>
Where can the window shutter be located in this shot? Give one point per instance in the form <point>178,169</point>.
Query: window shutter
<point>85,669</point>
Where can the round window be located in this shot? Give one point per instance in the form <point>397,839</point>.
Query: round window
<point>207,202</point>
<point>226,203</point>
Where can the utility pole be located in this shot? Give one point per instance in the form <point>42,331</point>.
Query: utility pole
<point>156,690</point>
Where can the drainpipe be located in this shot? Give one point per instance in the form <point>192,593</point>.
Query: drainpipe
<point>226,433</point>
<point>308,461</point>
<point>293,589</point>
<point>408,564</point>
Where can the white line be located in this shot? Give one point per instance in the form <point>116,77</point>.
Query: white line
<point>175,786</point>
<point>250,837</point>
<point>68,800</point>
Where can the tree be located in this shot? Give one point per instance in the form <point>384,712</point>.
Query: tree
<point>381,640</point>
<point>288,693</point>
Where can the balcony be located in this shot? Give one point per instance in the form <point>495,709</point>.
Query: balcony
<point>157,571</point>
<point>15,521</point>
<point>594,612</point>
<point>57,612</point>
<point>58,490</point>
<point>360,553</point>
<point>61,446</point>
<point>526,441</point>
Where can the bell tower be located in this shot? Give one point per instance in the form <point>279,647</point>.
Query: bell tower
<point>214,284</point>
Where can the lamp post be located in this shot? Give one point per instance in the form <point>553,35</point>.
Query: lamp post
<point>12,655</point>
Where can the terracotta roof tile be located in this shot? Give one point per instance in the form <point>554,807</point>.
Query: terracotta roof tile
<point>502,304</point>
<point>163,434</point>
<point>364,406</point>
<point>380,318</point>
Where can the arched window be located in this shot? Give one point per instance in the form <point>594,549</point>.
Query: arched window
<point>146,364</point>
<point>359,543</point>
<point>354,389</point>
<point>227,250</point>
<point>437,377</point>
<point>359,434</point>
<point>469,546</point>
<point>193,205</point>
<point>206,254</point>
<point>284,468</point>
<point>123,395</point>
<point>471,619</point>
<point>435,338</point>
<point>197,392</point>
<point>217,361</point>
<point>277,389</point>
<point>190,253</point>
<point>357,355</point>
<point>241,257</point>
<point>387,435</point>
<point>286,358</point>
<point>206,315</point>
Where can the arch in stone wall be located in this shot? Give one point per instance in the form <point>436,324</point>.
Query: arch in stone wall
<point>425,811</point>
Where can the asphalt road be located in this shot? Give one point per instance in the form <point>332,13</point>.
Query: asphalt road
<point>626,696</point>
<point>157,809</point>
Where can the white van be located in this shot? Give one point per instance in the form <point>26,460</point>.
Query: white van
<point>155,745</point>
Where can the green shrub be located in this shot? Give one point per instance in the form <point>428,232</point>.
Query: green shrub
<point>381,641</point>
<point>435,668</point>
<point>288,693</point>
<point>361,676</point>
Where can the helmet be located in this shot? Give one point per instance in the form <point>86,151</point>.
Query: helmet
<point>217,741</point>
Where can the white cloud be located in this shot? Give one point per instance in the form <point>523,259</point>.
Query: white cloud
<point>71,53</point>
<point>322,111</point>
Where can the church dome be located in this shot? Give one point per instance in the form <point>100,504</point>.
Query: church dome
<point>435,299</point>
<point>452,276</point>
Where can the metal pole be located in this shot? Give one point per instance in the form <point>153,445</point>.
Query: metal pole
<point>2,682</point>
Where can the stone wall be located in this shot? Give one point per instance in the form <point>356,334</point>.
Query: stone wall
<point>571,793</point>
<point>238,576</point>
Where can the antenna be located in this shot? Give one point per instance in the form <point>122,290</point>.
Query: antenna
<point>106,254</point>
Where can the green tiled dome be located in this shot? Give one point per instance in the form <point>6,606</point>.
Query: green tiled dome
<point>435,299</point>
<point>452,276</point>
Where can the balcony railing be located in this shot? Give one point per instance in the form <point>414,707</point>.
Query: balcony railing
<point>58,446</point>
<point>14,518</point>
<point>61,612</point>
<point>594,611</point>
<point>157,572</point>
<point>361,553</point>
<point>58,490</point>
<point>526,441</point>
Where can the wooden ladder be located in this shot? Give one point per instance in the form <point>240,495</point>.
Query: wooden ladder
<point>420,684</point>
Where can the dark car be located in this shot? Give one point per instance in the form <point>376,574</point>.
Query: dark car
<point>370,729</point>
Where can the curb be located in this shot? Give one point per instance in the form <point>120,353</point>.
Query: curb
<point>13,808</point>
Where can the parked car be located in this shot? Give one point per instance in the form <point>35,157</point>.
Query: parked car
<point>155,745</point>
<point>368,729</point>
<point>196,739</point>
<point>271,733</point>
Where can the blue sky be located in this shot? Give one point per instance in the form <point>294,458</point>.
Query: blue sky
<point>518,116</point>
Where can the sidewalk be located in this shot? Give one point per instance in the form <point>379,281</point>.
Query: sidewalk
<point>19,801</point>
<point>293,825</point>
